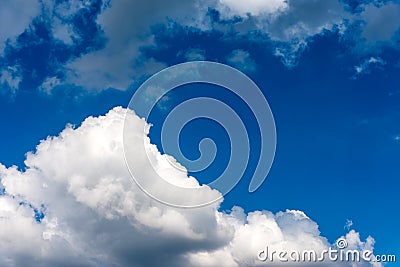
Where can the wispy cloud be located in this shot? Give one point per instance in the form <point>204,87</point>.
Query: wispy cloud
<point>348,224</point>
<point>368,65</point>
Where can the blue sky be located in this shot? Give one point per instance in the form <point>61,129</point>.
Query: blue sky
<point>329,70</point>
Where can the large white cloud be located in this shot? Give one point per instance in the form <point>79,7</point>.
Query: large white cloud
<point>93,208</point>
<point>95,216</point>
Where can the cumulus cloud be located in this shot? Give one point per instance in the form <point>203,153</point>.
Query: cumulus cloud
<point>92,209</point>
<point>291,230</point>
<point>74,204</point>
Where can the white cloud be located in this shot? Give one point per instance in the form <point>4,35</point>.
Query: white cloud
<point>355,243</point>
<point>241,59</point>
<point>10,27</point>
<point>95,216</point>
<point>285,231</point>
<point>289,230</point>
<point>93,207</point>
